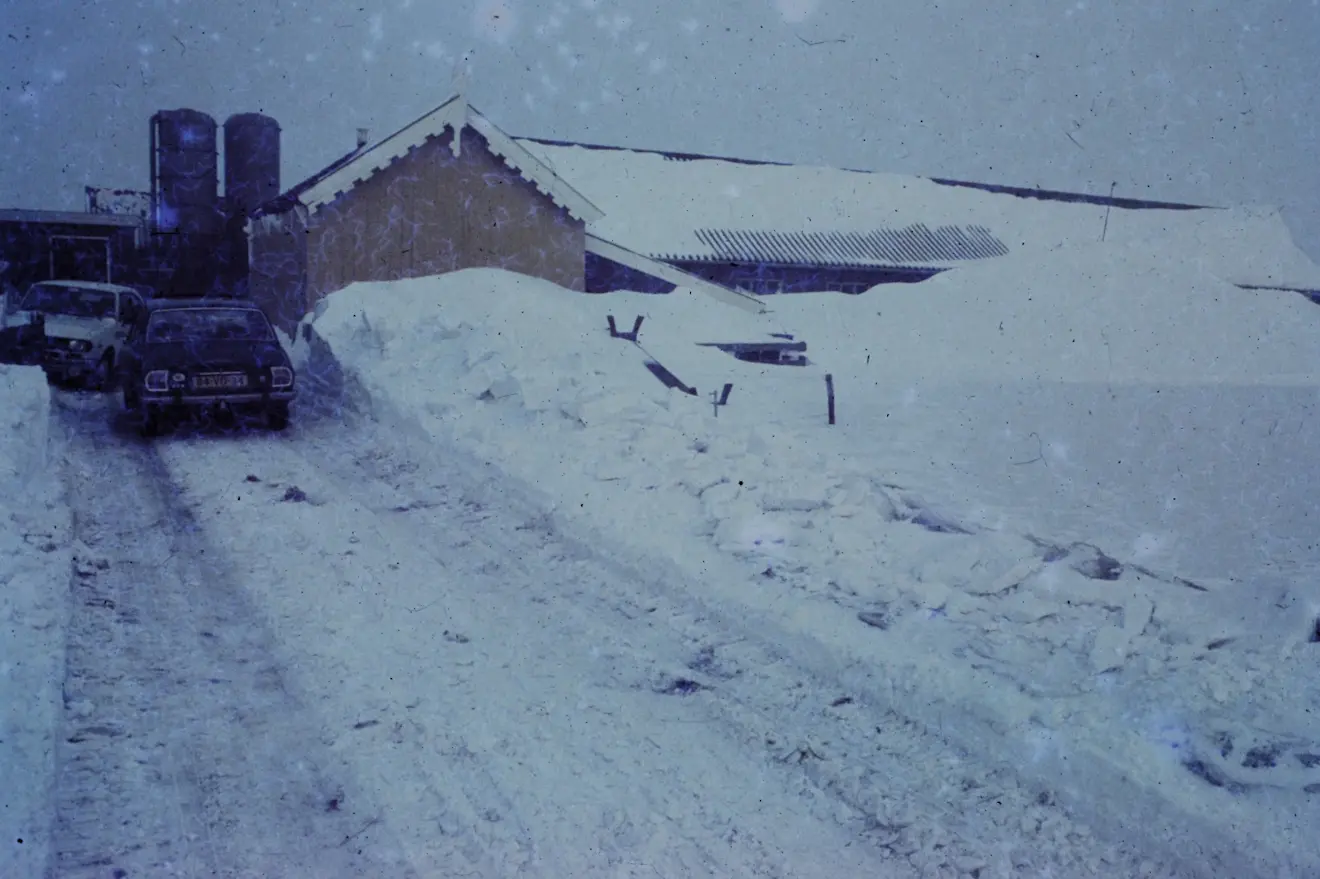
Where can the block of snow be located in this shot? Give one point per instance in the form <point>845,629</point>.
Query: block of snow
<point>24,418</point>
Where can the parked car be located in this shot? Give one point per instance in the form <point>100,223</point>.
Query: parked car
<point>189,356</point>
<point>79,325</point>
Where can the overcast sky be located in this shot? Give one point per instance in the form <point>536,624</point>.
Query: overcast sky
<point>1207,102</point>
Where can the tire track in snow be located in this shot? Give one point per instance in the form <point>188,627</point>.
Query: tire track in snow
<point>183,750</point>
<point>508,732</point>
<point>673,676</point>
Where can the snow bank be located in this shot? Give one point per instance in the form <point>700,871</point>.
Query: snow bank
<point>34,572</point>
<point>1119,314</point>
<point>1092,668</point>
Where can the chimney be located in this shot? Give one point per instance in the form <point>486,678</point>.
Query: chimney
<point>362,138</point>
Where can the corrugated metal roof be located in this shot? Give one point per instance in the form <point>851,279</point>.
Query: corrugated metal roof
<point>911,245</point>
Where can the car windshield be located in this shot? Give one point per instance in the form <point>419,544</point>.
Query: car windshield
<point>69,301</point>
<point>209,324</point>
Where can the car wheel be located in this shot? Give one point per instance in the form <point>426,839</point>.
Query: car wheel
<point>277,416</point>
<point>152,422</point>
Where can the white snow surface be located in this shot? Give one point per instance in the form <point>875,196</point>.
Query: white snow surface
<point>655,206</point>
<point>35,563</point>
<point>1038,416</point>
<point>1064,521</point>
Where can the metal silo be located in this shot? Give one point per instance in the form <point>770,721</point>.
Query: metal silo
<point>184,173</point>
<point>252,162</point>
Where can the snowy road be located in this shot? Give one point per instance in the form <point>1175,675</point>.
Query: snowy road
<point>182,750</point>
<point>514,703</point>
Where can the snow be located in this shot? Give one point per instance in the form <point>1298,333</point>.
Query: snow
<point>1136,413</point>
<point>655,206</point>
<point>35,561</point>
<point>1063,522</point>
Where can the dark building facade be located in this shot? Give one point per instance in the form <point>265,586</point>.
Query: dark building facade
<point>45,245</point>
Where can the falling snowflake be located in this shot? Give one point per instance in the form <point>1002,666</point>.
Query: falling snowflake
<point>494,20</point>
<point>796,11</point>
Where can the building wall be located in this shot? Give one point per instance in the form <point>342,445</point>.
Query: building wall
<point>604,275</point>
<point>431,212</point>
<point>277,267</point>
<point>768,278</point>
<point>36,251</point>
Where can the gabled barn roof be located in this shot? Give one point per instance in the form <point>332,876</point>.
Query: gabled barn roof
<point>683,208</point>
<point>454,114</point>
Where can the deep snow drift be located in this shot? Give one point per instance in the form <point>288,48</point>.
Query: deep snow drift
<point>1035,514</point>
<point>34,574</point>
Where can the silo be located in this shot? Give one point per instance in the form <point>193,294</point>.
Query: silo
<point>252,162</point>
<point>184,173</point>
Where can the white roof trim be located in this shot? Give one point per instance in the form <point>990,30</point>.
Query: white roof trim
<point>678,277</point>
<point>455,115</point>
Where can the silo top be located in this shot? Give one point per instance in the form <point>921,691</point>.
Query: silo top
<point>184,129</point>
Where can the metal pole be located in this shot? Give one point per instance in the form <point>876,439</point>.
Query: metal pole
<point>829,390</point>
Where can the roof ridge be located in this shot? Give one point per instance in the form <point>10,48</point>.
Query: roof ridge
<point>454,114</point>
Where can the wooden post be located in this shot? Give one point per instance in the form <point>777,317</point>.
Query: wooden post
<point>829,390</point>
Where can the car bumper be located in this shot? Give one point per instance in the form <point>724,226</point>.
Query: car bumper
<point>68,368</point>
<point>178,400</point>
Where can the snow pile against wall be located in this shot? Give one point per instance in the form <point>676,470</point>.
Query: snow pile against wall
<point>34,573</point>
<point>1070,655</point>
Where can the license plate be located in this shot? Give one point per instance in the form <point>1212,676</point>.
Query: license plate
<point>219,381</point>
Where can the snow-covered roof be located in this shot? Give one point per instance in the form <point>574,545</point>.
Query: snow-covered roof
<point>454,114</point>
<point>678,207</point>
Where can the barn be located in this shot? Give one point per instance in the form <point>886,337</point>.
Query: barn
<point>765,227</point>
<point>451,190</point>
<point>448,191</point>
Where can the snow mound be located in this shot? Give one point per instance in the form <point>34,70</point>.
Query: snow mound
<point>1120,314</point>
<point>770,509</point>
<point>25,404</point>
<point>34,570</point>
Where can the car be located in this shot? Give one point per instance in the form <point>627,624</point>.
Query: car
<point>77,327</point>
<point>193,356</point>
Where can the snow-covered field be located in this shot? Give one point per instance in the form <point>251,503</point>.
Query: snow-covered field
<point>1070,499</point>
<point>35,558</point>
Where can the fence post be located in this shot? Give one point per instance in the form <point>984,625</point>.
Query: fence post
<point>829,391</point>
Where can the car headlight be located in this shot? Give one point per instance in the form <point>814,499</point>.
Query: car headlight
<point>82,346</point>
<point>157,380</point>
<point>281,376</point>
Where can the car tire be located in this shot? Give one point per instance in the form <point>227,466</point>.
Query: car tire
<point>152,423</point>
<point>277,416</point>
